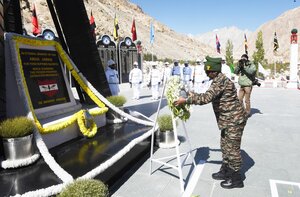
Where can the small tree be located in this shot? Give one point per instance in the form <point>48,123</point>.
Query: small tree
<point>259,54</point>
<point>229,52</point>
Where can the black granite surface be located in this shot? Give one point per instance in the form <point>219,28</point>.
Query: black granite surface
<point>78,157</point>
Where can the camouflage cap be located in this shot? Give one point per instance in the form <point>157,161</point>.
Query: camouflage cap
<point>213,64</point>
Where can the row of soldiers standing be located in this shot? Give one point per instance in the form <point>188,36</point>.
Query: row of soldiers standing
<point>194,79</point>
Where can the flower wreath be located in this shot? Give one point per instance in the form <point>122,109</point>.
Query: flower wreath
<point>173,89</point>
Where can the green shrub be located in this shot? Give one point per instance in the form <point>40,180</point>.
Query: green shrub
<point>165,123</point>
<point>16,127</point>
<point>117,100</point>
<point>86,188</point>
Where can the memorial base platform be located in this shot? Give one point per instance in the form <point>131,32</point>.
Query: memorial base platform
<point>80,156</point>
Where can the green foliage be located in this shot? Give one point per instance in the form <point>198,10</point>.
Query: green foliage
<point>229,52</point>
<point>172,93</point>
<point>16,127</point>
<point>148,57</point>
<point>165,122</point>
<point>117,100</point>
<point>259,54</point>
<point>86,188</point>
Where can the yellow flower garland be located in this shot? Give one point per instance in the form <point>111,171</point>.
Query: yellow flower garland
<point>89,132</point>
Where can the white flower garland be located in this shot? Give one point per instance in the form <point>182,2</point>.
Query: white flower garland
<point>172,93</point>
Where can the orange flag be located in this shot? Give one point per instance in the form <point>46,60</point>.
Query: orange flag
<point>36,30</point>
<point>133,31</point>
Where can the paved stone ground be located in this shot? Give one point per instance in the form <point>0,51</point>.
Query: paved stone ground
<point>270,150</point>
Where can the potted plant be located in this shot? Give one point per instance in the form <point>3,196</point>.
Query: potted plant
<point>17,135</point>
<point>86,187</point>
<point>118,101</point>
<point>166,134</point>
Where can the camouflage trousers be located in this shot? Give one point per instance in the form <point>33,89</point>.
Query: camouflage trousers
<point>231,146</point>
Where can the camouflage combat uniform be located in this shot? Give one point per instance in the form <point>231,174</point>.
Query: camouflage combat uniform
<point>230,114</point>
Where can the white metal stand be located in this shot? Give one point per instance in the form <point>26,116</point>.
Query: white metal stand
<point>187,154</point>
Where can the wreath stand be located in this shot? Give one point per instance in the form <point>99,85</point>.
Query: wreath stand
<point>187,154</point>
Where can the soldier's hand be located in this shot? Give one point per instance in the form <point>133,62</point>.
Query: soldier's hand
<point>180,101</point>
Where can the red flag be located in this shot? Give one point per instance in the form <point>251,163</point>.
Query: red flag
<point>133,31</point>
<point>218,44</point>
<point>36,30</point>
<point>93,24</point>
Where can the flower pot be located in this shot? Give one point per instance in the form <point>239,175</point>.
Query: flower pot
<point>18,148</point>
<point>166,137</point>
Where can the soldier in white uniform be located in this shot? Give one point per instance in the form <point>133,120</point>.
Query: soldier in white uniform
<point>112,77</point>
<point>201,80</point>
<point>167,72</point>
<point>225,68</point>
<point>187,75</point>
<point>155,79</point>
<point>135,79</point>
<point>176,71</point>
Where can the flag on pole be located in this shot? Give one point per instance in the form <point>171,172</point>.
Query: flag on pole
<point>36,30</point>
<point>246,44</point>
<point>116,28</point>
<point>133,31</point>
<point>93,24</point>
<point>276,45</point>
<point>151,33</point>
<point>218,44</point>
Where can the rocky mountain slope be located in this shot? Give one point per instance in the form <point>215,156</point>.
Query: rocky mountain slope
<point>168,43</point>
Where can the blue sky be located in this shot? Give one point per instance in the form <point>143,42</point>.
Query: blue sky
<point>201,16</point>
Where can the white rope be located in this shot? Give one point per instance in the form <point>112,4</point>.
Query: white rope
<point>19,162</point>
<point>96,171</point>
<point>50,161</point>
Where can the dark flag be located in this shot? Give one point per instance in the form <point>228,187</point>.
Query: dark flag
<point>93,24</point>
<point>116,28</point>
<point>276,45</point>
<point>218,44</point>
<point>36,30</point>
<point>133,31</point>
<point>246,44</point>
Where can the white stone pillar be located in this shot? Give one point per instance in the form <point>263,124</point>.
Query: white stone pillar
<point>293,60</point>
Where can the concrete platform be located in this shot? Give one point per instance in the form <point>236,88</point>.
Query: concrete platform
<point>270,151</point>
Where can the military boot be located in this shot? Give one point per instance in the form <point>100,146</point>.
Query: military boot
<point>234,180</point>
<point>222,174</point>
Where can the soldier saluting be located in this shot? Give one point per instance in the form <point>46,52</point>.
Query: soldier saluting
<point>231,118</point>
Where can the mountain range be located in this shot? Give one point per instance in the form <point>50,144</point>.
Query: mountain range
<point>170,44</point>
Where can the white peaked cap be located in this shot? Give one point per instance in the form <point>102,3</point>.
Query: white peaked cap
<point>135,63</point>
<point>110,62</point>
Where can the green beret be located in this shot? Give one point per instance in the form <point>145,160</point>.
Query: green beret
<point>213,64</point>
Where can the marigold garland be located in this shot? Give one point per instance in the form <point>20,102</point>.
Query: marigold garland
<point>89,132</point>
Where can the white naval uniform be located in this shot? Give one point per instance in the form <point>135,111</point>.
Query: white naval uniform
<point>201,80</point>
<point>176,71</point>
<point>136,77</point>
<point>167,73</point>
<point>187,76</point>
<point>113,81</point>
<point>155,78</point>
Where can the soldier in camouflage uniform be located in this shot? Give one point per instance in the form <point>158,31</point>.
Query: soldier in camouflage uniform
<point>231,118</point>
